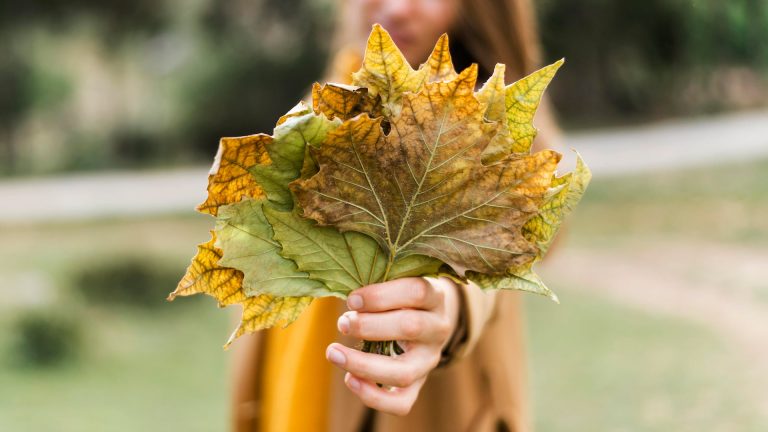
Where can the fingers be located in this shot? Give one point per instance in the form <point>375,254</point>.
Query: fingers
<point>398,401</point>
<point>402,324</point>
<point>411,292</point>
<point>401,371</point>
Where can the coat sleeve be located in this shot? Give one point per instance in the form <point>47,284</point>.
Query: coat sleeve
<point>475,309</point>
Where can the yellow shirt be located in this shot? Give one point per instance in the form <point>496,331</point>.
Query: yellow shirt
<point>296,376</point>
<point>296,380</point>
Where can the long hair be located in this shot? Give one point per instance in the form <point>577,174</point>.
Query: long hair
<point>498,31</point>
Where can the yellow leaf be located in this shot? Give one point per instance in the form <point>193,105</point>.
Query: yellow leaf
<point>264,311</point>
<point>567,192</point>
<point>229,180</point>
<point>439,64</point>
<point>521,102</point>
<point>386,72</point>
<point>413,166</point>
<point>343,101</point>
<point>298,110</point>
<point>205,276</point>
<point>492,95</point>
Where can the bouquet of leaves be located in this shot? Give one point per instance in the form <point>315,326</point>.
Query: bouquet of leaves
<point>405,173</point>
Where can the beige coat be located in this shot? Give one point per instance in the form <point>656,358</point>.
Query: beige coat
<point>482,389</point>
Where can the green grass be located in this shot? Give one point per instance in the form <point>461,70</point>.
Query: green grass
<point>600,366</point>
<point>138,371</point>
<point>158,368</point>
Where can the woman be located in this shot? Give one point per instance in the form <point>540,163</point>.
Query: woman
<point>463,369</point>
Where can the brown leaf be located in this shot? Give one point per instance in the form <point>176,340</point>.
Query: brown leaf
<point>423,188</point>
<point>343,101</point>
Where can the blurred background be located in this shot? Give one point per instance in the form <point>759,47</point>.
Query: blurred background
<point>111,111</point>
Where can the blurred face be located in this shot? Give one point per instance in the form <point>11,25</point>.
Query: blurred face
<point>414,25</point>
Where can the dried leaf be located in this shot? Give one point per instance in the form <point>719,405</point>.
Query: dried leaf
<point>405,173</point>
<point>568,191</point>
<point>564,194</point>
<point>521,100</point>
<point>205,275</point>
<point>385,71</point>
<point>423,189</point>
<point>524,280</point>
<point>229,180</point>
<point>440,64</point>
<point>343,101</point>
<point>285,155</point>
<point>265,311</point>
<point>492,96</point>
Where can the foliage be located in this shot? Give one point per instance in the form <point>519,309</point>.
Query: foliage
<point>405,173</point>
<point>124,280</point>
<point>45,337</point>
<point>643,58</point>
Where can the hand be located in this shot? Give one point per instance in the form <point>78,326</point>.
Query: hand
<point>420,314</point>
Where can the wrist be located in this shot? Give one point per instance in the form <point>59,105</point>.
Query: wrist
<point>455,309</point>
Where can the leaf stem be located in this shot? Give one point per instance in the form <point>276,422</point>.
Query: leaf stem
<point>387,348</point>
<point>390,261</point>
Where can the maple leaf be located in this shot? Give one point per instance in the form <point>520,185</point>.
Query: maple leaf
<point>514,106</point>
<point>256,165</point>
<point>276,250</point>
<point>342,261</point>
<point>246,239</point>
<point>385,71</point>
<point>423,188</point>
<point>247,170</point>
<point>404,173</point>
<point>343,101</point>
<point>565,193</point>
<point>205,275</point>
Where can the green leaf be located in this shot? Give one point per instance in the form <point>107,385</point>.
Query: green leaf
<point>524,281</point>
<point>415,265</point>
<point>246,238</point>
<point>286,152</point>
<point>521,100</point>
<point>342,261</point>
<point>567,192</point>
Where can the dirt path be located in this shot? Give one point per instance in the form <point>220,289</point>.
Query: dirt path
<point>674,144</point>
<point>724,288</point>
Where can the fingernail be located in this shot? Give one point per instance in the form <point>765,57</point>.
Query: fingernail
<point>353,382</point>
<point>355,302</point>
<point>343,324</point>
<point>335,356</point>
